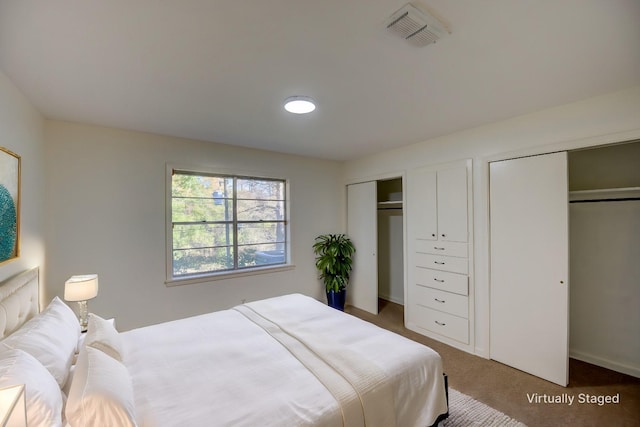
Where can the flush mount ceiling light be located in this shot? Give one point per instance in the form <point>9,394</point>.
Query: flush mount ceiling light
<point>299,104</point>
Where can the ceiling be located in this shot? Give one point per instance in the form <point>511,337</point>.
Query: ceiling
<point>219,70</point>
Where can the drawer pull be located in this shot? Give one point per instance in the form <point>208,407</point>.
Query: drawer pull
<point>440,300</point>
<point>438,262</point>
<point>441,324</point>
<point>439,280</point>
<point>438,249</point>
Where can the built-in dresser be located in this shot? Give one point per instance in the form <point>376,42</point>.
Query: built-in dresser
<point>439,223</point>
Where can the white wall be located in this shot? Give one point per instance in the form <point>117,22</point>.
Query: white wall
<point>609,118</point>
<point>106,215</point>
<point>21,131</point>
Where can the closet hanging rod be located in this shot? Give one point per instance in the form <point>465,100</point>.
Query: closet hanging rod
<point>605,195</point>
<point>626,199</point>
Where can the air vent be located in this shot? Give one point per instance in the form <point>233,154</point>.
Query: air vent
<point>415,26</point>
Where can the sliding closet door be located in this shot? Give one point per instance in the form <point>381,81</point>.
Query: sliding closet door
<point>530,265</point>
<point>362,228</point>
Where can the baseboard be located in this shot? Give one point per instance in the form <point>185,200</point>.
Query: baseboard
<point>393,300</point>
<point>605,363</point>
<point>481,352</point>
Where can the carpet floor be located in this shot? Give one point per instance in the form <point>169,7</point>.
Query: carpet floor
<point>520,395</point>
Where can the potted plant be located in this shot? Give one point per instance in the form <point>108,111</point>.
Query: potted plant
<point>333,261</point>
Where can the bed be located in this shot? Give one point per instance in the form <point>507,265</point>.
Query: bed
<point>284,361</point>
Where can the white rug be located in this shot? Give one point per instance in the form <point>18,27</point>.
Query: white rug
<point>465,411</point>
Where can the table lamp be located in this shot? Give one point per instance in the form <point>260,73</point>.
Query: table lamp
<point>80,289</point>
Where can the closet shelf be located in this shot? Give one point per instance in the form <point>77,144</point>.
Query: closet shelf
<point>390,204</point>
<point>605,194</point>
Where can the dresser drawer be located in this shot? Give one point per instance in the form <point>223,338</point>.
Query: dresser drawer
<point>445,263</point>
<point>455,304</point>
<point>443,280</point>
<point>456,249</point>
<point>441,323</point>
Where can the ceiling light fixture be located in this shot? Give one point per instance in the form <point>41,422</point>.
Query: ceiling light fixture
<point>299,104</point>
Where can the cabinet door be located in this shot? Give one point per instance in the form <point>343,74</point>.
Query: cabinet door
<point>421,202</point>
<point>362,228</point>
<point>530,265</point>
<point>452,204</point>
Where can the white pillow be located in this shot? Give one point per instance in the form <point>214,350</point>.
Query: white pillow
<point>43,396</point>
<point>101,334</point>
<point>51,337</point>
<point>101,392</point>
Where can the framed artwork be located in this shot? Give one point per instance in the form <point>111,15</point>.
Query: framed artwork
<point>9,205</point>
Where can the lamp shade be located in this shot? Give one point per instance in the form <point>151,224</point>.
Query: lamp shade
<point>81,288</point>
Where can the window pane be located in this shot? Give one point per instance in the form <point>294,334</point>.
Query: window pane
<point>195,210</point>
<point>260,189</point>
<point>194,261</point>
<point>266,232</point>
<point>204,222</point>
<point>256,210</point>
<point>184,185</point>
<point>256,255</point>
<point>190,236</point>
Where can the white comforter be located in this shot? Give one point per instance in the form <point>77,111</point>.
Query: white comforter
<point>286,361</point>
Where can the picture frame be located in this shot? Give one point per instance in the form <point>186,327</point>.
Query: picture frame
<point>10,164</point>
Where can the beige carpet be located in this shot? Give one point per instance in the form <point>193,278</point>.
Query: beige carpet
<point>506,388</point>
<point>465,411</point>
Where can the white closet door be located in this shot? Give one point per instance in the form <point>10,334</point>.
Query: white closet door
<point>530,265</point>
<point>452,204</point>
<point>422,204</point>
<point>362,228</point>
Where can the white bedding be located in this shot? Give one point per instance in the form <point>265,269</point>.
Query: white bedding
<point>286,361</point>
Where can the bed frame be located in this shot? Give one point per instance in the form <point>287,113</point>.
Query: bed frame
<point>444,416</point>
<point>19,300</point>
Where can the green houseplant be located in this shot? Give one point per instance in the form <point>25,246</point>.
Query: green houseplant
<point>334,260</point>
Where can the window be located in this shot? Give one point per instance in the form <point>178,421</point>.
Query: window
<point>225,223</point>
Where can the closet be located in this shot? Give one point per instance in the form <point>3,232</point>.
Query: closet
<point>375,224</point>
<point>439,222</point>
<point>390,241</point>
<point>564,233</point>
<point>604,236</point>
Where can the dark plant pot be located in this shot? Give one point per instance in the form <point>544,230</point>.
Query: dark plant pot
<point>336,299</point>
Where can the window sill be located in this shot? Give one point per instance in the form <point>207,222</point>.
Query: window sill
<point>211,277</point>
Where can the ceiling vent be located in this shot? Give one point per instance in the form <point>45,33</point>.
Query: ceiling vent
<point>418,28</point>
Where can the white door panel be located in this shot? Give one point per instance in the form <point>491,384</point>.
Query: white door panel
<point>422,204</point>
<point>362,228</point>
<point>452,205</point>
<point>529,265</point>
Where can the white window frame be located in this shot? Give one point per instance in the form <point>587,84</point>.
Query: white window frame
<point>172,280</point>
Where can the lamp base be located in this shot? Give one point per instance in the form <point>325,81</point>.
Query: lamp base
<point>83,314</point>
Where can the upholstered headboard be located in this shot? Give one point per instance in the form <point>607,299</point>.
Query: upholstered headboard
<point>18,300</point>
